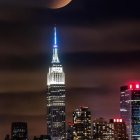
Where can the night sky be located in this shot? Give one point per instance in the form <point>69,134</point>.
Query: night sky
<point>99,47</point>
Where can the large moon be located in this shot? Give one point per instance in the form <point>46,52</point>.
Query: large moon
<point>55,4</point>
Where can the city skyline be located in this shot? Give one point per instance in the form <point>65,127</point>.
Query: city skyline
<point>99,49</point>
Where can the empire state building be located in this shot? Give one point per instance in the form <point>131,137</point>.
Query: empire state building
<point>56,96</point>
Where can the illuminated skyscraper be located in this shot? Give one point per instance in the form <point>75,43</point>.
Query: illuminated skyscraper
<point>130,109</point>
<point>82,124</point>
<point>56,96</point>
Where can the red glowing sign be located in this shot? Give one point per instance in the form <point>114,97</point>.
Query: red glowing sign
<point>133,86</point>
<point>137,86</point>
<point>117,120</point>
<point>130,86</point>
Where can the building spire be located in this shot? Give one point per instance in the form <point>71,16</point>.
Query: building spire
<point>55,37</point>
<point>55,58</point>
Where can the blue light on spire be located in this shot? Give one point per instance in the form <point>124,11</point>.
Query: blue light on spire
<point>55,58</point>
<point>55,38</point>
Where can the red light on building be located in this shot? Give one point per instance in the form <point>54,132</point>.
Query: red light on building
<point>133,86</point>
<point>130,86</point>
<point>117,120</point>
<point>137,86</point>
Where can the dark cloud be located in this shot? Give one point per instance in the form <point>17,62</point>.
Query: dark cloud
<point>70,60</point>
<point>29,47</point>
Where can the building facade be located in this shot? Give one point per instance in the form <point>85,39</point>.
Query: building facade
<point>130,109</point>
<point>119,129</point>
<point>82,124</point>
<point>70,130</point>
<point>102,130</point>
<point>19,131</point>
<point>115,129</point>
<point>56,96</point>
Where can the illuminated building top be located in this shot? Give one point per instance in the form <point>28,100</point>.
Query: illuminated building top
<point>56,75</point>
<point>117,120</point>
<point>56,96</point>
<point>134,86</point>
<point>55,58</point>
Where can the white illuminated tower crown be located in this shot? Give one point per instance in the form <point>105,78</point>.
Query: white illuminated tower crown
<point>56,74</point>
<point>56,97</point>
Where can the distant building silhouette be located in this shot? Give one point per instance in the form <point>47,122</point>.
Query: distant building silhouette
<point>35,138</point>
<point>7,137</point>
<point>19,131</point>
<point>42,137</point>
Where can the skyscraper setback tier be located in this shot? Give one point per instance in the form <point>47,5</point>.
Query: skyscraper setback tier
<point>56,97</point>
<point>130,109</point>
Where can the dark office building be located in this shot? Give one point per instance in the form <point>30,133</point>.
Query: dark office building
<point>119,129</point>
<point>70,130</point>
<point>115,129</point>
<point>130,109</point>
<point>56,97</point>
<point>19,131</point>
<point>82,124</point>
<point>102,130</point>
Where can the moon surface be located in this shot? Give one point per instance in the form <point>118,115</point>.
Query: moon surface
<point>55,4</point>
